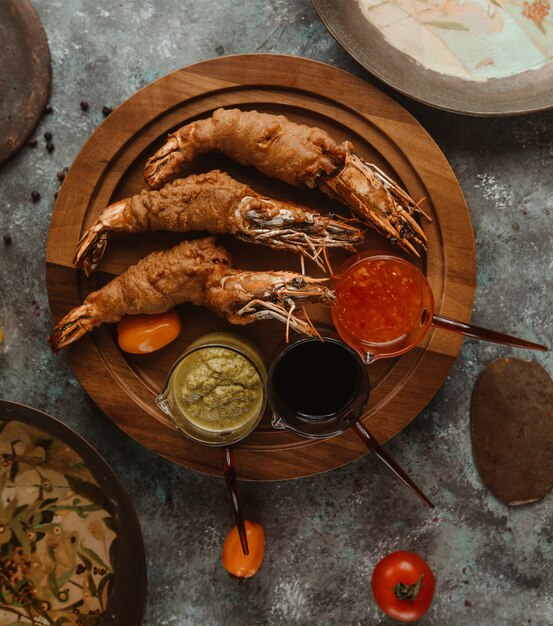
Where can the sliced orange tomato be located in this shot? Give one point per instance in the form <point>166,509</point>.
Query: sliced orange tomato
<point>140,334</point>
<point>234,560</point>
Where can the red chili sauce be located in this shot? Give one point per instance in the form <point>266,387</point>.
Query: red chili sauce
<point>378,300</point>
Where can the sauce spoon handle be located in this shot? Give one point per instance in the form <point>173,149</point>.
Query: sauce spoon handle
<point>229,470</point>
<point>486,334</point>
<point>372,443</point>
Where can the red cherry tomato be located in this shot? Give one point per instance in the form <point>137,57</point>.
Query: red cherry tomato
<point>140,334</point>
<point>403,586</point>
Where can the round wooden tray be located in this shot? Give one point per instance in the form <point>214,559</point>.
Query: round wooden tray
<point>110,166</point>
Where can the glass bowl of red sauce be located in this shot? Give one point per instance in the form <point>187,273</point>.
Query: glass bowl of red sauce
<point>384,305</point>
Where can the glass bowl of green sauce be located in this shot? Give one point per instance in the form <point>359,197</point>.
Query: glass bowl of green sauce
<point>216,392</point>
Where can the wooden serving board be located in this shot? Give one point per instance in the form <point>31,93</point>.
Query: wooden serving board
<point>109,167</point>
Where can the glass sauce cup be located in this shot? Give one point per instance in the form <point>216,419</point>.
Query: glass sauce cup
<point>394,340</point>
<point>318,387</point>
<point>193,427</point>
<point>328,372</point>
<point>395,329</point>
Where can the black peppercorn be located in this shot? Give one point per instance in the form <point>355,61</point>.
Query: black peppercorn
<point>84,105</point>
<point>8,239</point>
<point>48,108</point>
<point>48,136</point>
<point>61,176</point>
<point>35,195</point>
<point>106,110</point>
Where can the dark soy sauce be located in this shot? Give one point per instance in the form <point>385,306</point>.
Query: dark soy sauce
<point>317,379</point>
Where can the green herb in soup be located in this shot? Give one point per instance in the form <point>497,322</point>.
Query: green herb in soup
<point>217,389</point>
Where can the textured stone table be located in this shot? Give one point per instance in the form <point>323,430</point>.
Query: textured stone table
<point>325,533</point>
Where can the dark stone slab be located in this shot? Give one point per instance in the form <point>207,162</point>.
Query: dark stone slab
<point>24,74</point>
<point>512,430</point>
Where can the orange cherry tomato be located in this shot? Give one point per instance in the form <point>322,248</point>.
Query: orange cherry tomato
<point>140,334</point>
<point>234,560</point>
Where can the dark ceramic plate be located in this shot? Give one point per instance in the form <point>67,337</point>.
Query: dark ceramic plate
<point>127,599</point>
<point>493,83</point>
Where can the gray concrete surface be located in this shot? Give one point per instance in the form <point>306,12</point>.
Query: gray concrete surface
<point>325,534</point>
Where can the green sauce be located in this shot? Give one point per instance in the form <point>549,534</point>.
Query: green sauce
<point>217,389</point>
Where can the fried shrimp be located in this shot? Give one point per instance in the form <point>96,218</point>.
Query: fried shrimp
<point>217,203</point>
<point>299,155</point>
<point>198,272</point>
